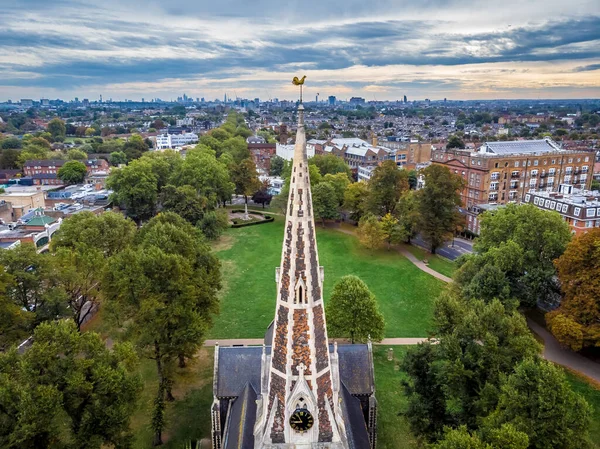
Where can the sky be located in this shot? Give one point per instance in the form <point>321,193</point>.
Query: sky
<point>378,49</point>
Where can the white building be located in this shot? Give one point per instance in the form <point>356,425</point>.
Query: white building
<point>287,151</point>
<point>365,172</point>
<point>164,141</point>
<point>187,121</point>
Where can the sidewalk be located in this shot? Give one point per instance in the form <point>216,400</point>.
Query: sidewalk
<point>259,342</point>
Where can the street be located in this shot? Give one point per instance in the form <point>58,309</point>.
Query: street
<point>451,250</point>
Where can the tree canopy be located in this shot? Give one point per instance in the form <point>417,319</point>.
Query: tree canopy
<point>72,172</point>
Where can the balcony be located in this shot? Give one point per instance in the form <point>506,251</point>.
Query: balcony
<point>515,175</point>
<point>543,175</point>
<point>493,188</point>
<point>533,175</point>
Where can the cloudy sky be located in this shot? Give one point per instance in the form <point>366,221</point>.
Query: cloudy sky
<point>379,49</point>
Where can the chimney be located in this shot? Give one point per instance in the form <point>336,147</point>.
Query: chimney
<point>374,140</point>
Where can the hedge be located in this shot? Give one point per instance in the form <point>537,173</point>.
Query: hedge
<point>267,219</point>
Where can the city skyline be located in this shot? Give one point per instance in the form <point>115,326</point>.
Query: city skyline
<point>459,50</point>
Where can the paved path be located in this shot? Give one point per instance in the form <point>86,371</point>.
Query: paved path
<point>422,266</point>
<point>554,352</point>
<point>450,250</point>
<point>406,253</point>
<point>259,342</point>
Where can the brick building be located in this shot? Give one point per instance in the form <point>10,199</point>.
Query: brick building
<point>262,152</point>
<point>44,172</point>
<point>579,208</point>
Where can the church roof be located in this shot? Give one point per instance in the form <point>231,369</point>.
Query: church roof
<point>356,429</point>
<point>356,368</point>
<point>239,432</point>
<point>238,366</point>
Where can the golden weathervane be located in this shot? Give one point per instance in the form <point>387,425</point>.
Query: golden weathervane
<point>299,82</point>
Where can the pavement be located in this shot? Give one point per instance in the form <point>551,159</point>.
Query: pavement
<point>450,250</point>
<point>259,341</point>
<point>555,352</point>
<point>422,266</point>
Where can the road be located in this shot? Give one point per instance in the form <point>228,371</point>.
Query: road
<point>451,250</point>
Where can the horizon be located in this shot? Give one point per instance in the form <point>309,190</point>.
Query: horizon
<point>462,50</point>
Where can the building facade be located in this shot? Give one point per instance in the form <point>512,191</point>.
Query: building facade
<point>297,390</point>
<point>165,141</point>
<point>45,172</point>
<point>503,172</point>
<point>579,208</point>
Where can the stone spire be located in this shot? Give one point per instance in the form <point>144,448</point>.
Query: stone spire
<point>300,372</point>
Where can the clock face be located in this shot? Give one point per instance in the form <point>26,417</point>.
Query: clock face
<point>301,420</point>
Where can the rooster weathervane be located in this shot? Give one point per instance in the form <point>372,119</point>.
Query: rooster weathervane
<point>299,82</point>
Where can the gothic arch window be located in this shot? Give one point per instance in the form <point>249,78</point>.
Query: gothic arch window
<point>300,297</point>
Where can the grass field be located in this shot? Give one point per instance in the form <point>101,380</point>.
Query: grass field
<point>249,256</point>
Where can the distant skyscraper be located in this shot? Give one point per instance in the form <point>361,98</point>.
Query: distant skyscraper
<point>225,98</point>
<point>332,100</point>
<point>405,99</point>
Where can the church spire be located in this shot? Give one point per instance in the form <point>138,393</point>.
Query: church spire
<point>300,374</point>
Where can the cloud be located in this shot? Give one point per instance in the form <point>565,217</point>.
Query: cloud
<point>75,45</point>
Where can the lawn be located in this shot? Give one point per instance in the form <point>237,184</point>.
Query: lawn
<point>435,261</point>
<point>592,396</point>
<point>249,256</point>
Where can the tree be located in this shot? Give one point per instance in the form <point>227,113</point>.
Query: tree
<point>330,164</point>
<point>355,199</point>
<point>213,223</point>
<point>455,142</point>
<point>276,165</point>
<point>324,202</point>
<point>262,195</point>
<point>524,257</point>
<point>11,143</point>
<point>165,288</point>
<point>237,147</point>
<point>57,128</point>
<point>386,186</point>
<point>340,183</point>
<point>407,212</point>
<point>391,229</point>
<point>72,172</point>
<point>135,188</point>
<point>352,311</point>
<point>135,147</point>
<point>77,155</point>
<point>456,381</point>
<point>370,232</point>
<point>9,159</point>
<point>31,287</point>
<point>438,205</point>
<point>538,400</point>
<point>185,202</point>
<point>68,390</point>
<point>506,437</point>
<point>576,323</point>
<point>245,178</point>
<point>14,321</point>
<point>117,158</point>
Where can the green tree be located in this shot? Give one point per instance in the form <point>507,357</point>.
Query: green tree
<point>386,186</point>
<point>407,212</point>
<point>355,199</point>
<point>455,142</point>
<point>109,233</point>
<point>117,158</point>
<point>237,147</point>
<point>11,143</point>
<point>370,232</point>
<point>57,128</point>
<point>576,323</point>
<point>76,155</point>
<point>352,311</point>
<point>184,201</point>
<point>276,165</point>
<point>68,390</point>
<point>324,202</point>
<point>340,183</point>
<point>135,147</point>
<point>9,159</point>
<point>135,188</point>
<point>329,164</point>
<point>72,172</point>
<point>392,230</point>
<point>245,178</point>
<point>538,401</point>
<point>214,223</point>
<point>165,289</point>
<point>456,381</point>
<point>438,205</point>
<point>524,257</point>
<point>14,321</point>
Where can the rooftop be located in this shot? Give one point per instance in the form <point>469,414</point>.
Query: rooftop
<point>520,147</point>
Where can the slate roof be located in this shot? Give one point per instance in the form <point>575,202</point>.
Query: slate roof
<point>239,431</point>
<point>356,428</point>
<point>238,366</point>
<point>356,368</point>
<point>521,147</point>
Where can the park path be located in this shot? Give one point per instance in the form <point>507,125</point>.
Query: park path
<point>411,257</point>
<point>259,342</point>
<point>554,352</point>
